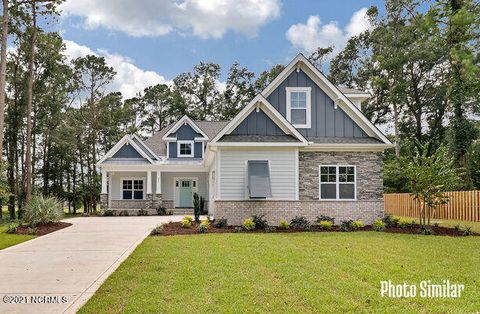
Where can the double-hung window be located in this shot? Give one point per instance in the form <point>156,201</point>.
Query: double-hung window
<point>132,189</point>
<point>185,148</point>
<point>337,183</point>
<point>299,106</point>
<point>259,179</point>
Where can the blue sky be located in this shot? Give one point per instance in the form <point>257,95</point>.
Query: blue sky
<point>165,38</point>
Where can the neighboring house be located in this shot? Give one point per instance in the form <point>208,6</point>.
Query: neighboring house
<point>302,147</point>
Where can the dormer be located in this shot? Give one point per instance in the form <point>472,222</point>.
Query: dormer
<point>185,140</point>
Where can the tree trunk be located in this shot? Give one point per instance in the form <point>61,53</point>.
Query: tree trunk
<point>28,154</point>
<point>397,135</point>
<point>3,71</point>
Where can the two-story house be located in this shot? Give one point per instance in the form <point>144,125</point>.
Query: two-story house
<point>302,147</point>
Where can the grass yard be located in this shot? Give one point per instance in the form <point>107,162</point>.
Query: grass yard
<point>299,272</point>
<point>7,240</point>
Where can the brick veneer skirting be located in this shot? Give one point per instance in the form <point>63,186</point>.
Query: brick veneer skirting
<point>128,204</point>
<point>237,211</point>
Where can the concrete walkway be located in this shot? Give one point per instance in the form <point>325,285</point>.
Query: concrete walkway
<point>69,264</point>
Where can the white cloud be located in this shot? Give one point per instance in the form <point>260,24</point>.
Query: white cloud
<point>129,79</point>
<point>203,18</point>
<point>313,34</point>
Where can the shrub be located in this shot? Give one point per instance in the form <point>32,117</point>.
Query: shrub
<point>346,226</point>
<point>42,210</point>
<point>325,218</point>
<point>221,223</point>
<point>196,207</point>
<point>123,213</point>
<point>142,212</point>
<point>248,224</point>
<point>108,212</point>
<point>12,228</point>
<point>237,229</point>
<point>203,227</point>
<point>390,221</point>
<point>269,229</point>
<point>357,224</point>
<point>436,224</point>
<point>202,205</point>
<point>157,230</point>
<point>426,231</point>
<point>32,231</point>
<point>378,225</point>
<point>260,222</point>
<point>162,211</point>
<point>300,223</point>
<point>284,225</point>
<point>325,224</point>
<point>457,227</point>
<point>404,224</point>
<point>468,231</point>
<point>187,222</point>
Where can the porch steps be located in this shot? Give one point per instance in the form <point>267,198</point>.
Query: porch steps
<point>181,211</point>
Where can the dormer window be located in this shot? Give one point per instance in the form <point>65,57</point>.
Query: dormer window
<point>185,148</point>
<point>299,106</point>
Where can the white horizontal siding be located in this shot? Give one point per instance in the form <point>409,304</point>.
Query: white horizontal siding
<point>233,173</point>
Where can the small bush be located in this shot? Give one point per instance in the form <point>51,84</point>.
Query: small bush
<point>404,224</point>
<point>162,211</point>
<point>260,222</point>
<point>123,213</point>
<point>357,224</point>
<point>108,212</point>
<point>269,229</point>
<point>42,210</point>
<point>390,221</point>
<point>12,228</point>
<point>237,229</point>
<point>203,227</point>
<point>346,226</point>
<point>426,231</point>
<point>221,223</point>
<point>457,227</point>
<point>468,231</point>
<point>142,212</point>
<point>187,222</point>
<point>325,224</point>
<point>284,225</point>
<point>248,224</point>
<point>436,224</point>
<point>325,218</point>
<point>157,230</point>
<point>32,231</point>
<point>378,225</point>
<point>301,223</point>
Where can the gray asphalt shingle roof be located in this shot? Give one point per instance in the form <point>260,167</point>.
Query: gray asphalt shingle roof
<point>346,90</point>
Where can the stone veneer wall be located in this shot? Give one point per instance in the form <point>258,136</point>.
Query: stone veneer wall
<point>368,207</point>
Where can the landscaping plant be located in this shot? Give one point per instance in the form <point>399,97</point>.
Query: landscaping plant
<point>108,212</point>
<point>260,222</point>
<point>162,211</point>
<point>300,222</point>
<point>42,210</point>
<point>284,225</point>
<point>468,231</point>
<point>203,227</point>
<point>325,224</point>
<point>196,207</point>
<point>202,205</point>
<point>357,224</point>
<point>391,221</point>
<point>248,224</point>
<point>346,226</point>
<point>187,222</point>
<point>157,230</point>
<point>142,212</point>
<point>123,213</point>
<point>378,225</point>
<point>325,218</point>
<point>221,223</point>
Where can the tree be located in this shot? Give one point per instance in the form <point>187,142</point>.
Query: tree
<point>156,101</point>
<point>266,77</point>
<point>429,176</point>
<point>239,91</point>
<point>319,56</point>
<point>199,90</point>
<point>3,70</point>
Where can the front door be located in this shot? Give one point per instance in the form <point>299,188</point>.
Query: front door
<point>186,193</point>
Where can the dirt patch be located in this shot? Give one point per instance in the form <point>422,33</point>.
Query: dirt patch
<point>175,228</point>
<point>42,229</point>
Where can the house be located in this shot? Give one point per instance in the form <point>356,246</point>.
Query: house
<point>302,147</point>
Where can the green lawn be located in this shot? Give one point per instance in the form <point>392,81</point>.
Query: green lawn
<point>302,272</point>
<point>7,240</point>
<point>449,223</point>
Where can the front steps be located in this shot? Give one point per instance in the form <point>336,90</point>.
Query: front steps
<point>181,211</point>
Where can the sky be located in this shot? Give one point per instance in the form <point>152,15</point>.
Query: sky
<point>152,41</point>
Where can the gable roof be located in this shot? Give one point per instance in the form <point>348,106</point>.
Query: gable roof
<point>257,103</point>
<point>300,61</point>
<point>184,120</point>
<point>158,145</point>
<point>136,143</point>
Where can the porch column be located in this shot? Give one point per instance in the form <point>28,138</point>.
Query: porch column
<point>104,182</point>
<point>159,183</point>
<point>149,182</point>
<point>104,203</point>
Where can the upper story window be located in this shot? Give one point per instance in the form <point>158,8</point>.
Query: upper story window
<point>185,148</point>
<point>299,106</point>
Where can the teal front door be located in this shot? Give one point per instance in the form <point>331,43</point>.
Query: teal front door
<point>186,193</point>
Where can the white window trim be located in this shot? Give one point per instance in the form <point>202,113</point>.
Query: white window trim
<point>245,189</point>
<point>132,179</point>
<point>308,91</point>
<point>337,184</point>
<point>192,143</point>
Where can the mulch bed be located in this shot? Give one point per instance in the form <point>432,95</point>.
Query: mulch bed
<point>42,229</point>
<point>175,228</point>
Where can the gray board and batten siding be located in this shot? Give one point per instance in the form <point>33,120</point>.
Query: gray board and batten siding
<point>326,120</point>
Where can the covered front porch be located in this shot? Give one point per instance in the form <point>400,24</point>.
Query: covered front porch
<point>131,189</point>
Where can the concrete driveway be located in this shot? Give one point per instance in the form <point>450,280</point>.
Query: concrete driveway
<point>61,271</point>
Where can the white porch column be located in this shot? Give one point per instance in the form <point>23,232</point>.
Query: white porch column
<point>149,182</point>
<point>159,183</point>
<point>104,181</point>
